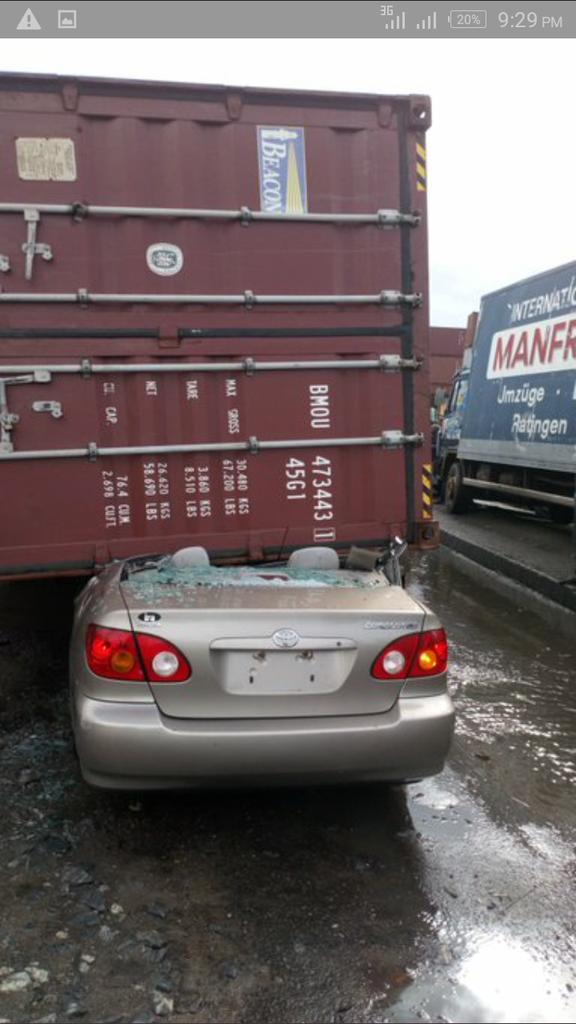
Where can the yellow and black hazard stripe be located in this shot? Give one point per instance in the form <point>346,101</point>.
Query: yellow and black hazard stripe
<point>427,491</point>
<point>420,167</point>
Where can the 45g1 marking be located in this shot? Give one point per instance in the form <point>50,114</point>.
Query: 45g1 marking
<point>295,480</point>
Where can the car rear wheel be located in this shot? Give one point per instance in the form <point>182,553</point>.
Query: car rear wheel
<point>457,497</point>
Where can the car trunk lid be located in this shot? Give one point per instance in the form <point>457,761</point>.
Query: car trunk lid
<point>273,642</point>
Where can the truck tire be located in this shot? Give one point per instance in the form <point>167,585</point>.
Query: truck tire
<point>456,496</point>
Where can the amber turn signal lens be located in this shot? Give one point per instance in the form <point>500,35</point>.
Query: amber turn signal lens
<point>428,660</point>
<point>122,661</point>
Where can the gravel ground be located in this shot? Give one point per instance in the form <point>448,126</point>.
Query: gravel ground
<point>450,900</point>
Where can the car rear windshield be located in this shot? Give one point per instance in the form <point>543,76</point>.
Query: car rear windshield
<point>165,573</point>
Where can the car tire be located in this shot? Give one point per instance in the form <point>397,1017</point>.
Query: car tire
<point>457,497</point>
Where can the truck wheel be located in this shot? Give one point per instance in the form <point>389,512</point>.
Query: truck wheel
<point>457,496</point>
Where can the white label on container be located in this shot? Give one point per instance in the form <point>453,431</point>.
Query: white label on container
<point>46,159</point>
<point>164,258</point>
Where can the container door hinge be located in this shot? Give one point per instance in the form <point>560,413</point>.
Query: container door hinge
<point>54,408</point>
<point>31,246</point>
<point>8,420</point>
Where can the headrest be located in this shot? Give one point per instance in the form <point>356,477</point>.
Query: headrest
<point>188,557</point>
<point>314,558</point>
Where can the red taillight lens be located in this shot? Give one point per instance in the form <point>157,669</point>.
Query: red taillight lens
<point>137,657</point>
<point>112,654</point>
<point>415,655</point>
<point>432,654</point>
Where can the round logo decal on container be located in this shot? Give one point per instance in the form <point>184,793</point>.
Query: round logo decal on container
<point>164,258</point>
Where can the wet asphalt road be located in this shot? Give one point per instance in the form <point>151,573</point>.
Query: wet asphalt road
<point>450,900</point>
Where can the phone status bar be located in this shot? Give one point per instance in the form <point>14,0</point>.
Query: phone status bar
<point>293,20</point>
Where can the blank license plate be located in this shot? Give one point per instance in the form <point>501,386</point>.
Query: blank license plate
<point>265,673</point>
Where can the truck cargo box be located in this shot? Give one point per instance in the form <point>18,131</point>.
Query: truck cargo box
<point>521,403</point>
<point>214,321</point>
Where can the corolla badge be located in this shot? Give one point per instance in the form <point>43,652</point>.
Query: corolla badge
<point>391,624</point>
<point>285,638</point>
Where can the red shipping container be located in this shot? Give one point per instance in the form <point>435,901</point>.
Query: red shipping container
<point>214,321</point>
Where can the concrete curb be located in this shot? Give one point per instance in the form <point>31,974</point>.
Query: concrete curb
<point>550,588</point>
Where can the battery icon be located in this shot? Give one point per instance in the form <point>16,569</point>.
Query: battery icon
<point>468,19</point>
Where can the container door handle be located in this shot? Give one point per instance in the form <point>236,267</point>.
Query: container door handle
<point>31,246</point>
<point>8,420</point>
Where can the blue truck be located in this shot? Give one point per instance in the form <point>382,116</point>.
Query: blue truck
<point>509,433</point>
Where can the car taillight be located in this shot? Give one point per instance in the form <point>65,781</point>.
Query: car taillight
<point>414,655</point>
<point>136,657</point>
<point>112,654</point>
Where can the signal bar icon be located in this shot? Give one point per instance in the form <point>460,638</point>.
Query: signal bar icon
<point>395,24</point>
<point>428,24</point>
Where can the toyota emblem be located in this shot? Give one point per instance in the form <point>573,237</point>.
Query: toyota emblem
<point>285,638</point>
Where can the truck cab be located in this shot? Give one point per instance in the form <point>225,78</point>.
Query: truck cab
<point>447,438</point>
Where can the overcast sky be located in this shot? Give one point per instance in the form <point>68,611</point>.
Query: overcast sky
<point>501,150</point>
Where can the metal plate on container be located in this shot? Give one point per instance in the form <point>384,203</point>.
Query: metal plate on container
<point>43,159</point>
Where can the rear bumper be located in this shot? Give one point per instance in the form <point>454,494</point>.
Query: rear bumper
<point>133,746</point>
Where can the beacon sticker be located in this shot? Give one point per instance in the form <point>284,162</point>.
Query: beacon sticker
<point>165,259</point>
<point>282,165</point>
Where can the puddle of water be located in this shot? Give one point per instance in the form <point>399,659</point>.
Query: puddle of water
<point>513,677</point>
<point>498,982</point>
<point>504,949</point>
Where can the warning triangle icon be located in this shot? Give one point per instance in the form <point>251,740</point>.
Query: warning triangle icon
<point>28,22</point>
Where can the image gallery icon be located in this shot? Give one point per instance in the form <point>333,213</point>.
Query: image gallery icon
<point>67,19</point>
